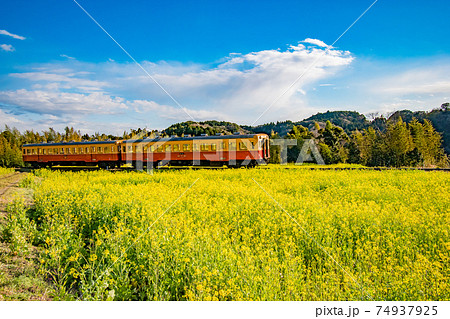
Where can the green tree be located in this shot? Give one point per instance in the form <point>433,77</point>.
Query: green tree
<point>399,142</point>
<point>336,140</point>
<point>299,133</point>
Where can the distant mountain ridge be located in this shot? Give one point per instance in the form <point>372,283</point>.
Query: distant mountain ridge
<point>348,120</point>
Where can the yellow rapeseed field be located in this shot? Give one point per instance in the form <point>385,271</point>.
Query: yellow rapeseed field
<point>246,234</point>
<point>5,171</point>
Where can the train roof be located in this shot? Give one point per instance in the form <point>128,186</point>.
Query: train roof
<point>72,143</point>
<point>174,139</point>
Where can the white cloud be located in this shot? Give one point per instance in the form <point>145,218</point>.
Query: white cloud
<point>64,79</point>
<point>15,36</point>
<point>237,89</point>
<point>62,103</point>
<point>424,80</point>
<point>67,57</point>
<point>8,119</point>
<point>315,42</point>
<point>7,47</point>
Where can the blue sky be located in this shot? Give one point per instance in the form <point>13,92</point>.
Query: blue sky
<point>225,60</point>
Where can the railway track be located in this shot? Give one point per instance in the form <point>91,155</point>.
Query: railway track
<point>8,181</point>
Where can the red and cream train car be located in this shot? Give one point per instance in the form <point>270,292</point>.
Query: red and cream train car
<point>219,150</point>
<point>105,154</point>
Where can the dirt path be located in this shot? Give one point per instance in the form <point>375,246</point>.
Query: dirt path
<point>19,275</point>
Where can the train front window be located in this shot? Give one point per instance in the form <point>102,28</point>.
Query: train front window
<point>242,146</point>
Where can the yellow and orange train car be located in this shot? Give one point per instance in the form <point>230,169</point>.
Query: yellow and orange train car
<point>231,150</point>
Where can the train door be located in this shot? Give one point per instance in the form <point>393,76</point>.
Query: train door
<point>265,147</point>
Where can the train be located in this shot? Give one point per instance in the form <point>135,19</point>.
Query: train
<point>246,150</point>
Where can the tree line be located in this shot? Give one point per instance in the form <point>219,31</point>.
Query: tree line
<point>413,144</point>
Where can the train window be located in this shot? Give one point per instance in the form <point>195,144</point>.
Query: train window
<point>80,150</point>
<point>204,147</point>
<point>232,146</point>
<point>74,150</point>
<point>28,151</point>
<point>168,148</point>
<point>242,146</point>
<point>221,145</point>
<point>186,147</point>
<point>195,147</point>
<point>87,150</point>
<point>112,149</point>
<point>99,149</point>
<point>93,149</point>
<point>213,147</point>
<point>39,151</point>
<point>176,147</point>
<point>159,148</point>
<point>152,148</point>
<point>44,151</point>
<point>62,151</point>
<point>24,151</point>
<point>106,150</point>
<point>130,149</point>
<point>33,151</point>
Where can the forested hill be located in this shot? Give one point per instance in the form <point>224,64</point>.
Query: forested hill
<point>351,121</point>
<point>348,120</point>
<point>207,127</point>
